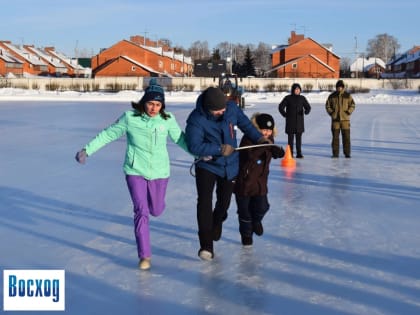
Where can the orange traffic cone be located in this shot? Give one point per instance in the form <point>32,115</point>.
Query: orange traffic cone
<point>288,160</point>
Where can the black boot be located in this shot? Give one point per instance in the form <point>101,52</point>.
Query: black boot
<point>299,146</point>
<point>257,227</point>
<point>217,230</point>
<point>217,225</point>
<point>290,141</point>
<point>206,245</point>
<point>246,240</point>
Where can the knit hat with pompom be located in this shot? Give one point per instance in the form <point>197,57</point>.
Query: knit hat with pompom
<point>154,92</point>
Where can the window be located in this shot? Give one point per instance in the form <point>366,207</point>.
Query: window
<point>294,65</point>
<point>14,65</point>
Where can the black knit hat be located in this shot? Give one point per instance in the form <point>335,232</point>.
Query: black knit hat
<point>339,83</point>
<point>213,99</point>
<point>265,121</point>
<point>154,92</point>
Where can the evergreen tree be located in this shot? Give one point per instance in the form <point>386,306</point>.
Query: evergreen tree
<point>216,55</point>
<point>248,67</point>
<point>236,68</point>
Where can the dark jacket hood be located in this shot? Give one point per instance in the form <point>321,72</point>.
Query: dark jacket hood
<point>294,86</point>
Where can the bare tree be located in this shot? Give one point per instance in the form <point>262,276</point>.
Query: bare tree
<point>225,49</point>
<point>84,53</point>
<point>237,52</point>
<point>262,58</point>
<point>383,46</point>
<point>180,50</point>
<point>164,42</point>
<point>199,50</point>
<point>345,63</point>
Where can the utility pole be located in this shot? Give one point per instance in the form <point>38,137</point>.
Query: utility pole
<point>75,49</point>
<point>145,35</point>
<point>355,53</point>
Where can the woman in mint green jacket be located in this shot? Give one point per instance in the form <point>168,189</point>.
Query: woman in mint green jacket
<point>146,165</point>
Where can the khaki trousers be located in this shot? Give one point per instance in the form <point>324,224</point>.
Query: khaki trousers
<point>344,127</point>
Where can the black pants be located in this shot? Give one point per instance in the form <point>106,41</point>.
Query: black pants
<point>290,140</point>
<point>250,210</point>
<point>205,182</point>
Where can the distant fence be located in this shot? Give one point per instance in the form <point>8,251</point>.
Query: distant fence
<point>201,83</point>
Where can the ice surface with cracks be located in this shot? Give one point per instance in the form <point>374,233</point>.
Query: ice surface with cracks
<point>341,236</point>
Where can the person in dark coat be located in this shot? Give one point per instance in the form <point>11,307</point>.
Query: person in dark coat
<point>293,107</point>
<point>251,184</point>
<point>211,134</point>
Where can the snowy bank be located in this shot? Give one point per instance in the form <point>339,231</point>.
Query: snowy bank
<point>373,97</point>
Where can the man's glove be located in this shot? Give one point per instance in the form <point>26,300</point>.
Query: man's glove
<point>277,152</point>
<point>226,149</point>
<point>264,140</point>
<point>81,156</point>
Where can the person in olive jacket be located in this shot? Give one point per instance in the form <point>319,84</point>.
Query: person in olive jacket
<point>293,107</point>
<point>211,134</point>
<point>146,165</point>
<point>251,184</point>
<point>340,105</point>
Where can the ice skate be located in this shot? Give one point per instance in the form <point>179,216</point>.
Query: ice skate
<point>145,264</point>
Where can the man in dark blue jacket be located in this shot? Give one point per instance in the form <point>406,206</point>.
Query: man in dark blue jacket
<point>211,134</point>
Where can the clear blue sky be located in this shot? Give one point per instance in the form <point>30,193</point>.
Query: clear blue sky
<point>94,24</point>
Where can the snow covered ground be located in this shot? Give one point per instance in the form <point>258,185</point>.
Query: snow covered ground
<point>342,235</point>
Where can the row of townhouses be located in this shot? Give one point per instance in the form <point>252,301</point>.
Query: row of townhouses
<point>141,57</point>
<point>301,57</point>
<point>27,61</point>
<point>405,65</point>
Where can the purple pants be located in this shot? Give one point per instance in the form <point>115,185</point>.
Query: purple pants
<point>148,198</point>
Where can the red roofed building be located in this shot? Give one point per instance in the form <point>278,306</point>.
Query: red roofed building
<point>140,57</point>
<point>304,58</point>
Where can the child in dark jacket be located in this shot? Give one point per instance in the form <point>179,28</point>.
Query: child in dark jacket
<point>251,183</point>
